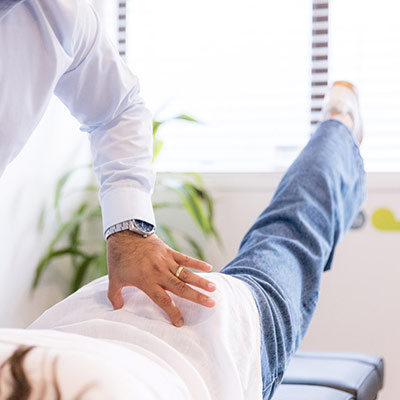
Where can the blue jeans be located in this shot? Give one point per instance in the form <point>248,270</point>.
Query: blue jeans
<point>292,242</point>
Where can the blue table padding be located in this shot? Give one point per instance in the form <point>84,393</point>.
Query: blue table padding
<point>309,392</point>
<point>358,374</point>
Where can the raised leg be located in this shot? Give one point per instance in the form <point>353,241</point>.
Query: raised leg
<point>284,253</point>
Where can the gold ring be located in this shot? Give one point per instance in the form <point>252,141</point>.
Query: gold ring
<point>178,272</point>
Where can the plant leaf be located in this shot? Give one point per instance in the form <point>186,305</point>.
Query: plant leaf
<point>74,243</point>
<point>192,202</point>
<point>101,261</point>
<point>196,248</point>
<point>80,273</point>
<point>80,214</point>
<point>186,118</point>
<point>62,182</point>
<point>206,198</point>
<point>68,228</point>
<point>197,178</point>
<point>168,237</point>
<point>208,203</point>
<point>156,125</point>
<point>48,257</point>
<point>42,219</point>
<point>91,188</point>
<point>166,204</point>
<point>157,146</point>
<point>74,237</point>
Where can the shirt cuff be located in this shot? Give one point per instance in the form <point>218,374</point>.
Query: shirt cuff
<point>123,204</point>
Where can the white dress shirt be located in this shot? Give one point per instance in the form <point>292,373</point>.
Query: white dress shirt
<point>137,351</point>
<point>58,46</point>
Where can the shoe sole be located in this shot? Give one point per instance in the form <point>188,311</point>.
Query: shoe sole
<point>353,88</point>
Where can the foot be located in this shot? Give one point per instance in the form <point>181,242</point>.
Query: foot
<point>341,103</point>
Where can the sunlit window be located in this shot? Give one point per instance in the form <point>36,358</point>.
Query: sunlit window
<point>244,70</point>
<point>364,48</point>
<point>241,68</point>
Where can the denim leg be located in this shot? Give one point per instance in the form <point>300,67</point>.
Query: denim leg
<point>284,253</point>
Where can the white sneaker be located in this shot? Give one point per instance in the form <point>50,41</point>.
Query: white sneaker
<point>341,103</point>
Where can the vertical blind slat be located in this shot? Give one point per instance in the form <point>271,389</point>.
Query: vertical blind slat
<point>121,34</point>
<point>319,57</point>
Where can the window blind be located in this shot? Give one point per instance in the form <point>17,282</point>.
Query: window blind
<point>243,72</point>
<point>364,42</point>
<point>241,68</point>
<point>121,27</point>
<point>319,58</point>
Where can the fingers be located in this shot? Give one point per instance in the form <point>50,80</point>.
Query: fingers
<point>196,280</point>
<point>154,274</point>
<point>180,288</point>
<point>115,296</point>
<point>161,298</point>
<point>190,262</point>
<point>157,294</point>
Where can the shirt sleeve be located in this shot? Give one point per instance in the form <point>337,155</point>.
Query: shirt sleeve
<point>103,94</point>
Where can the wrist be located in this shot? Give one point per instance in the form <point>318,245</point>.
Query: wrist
<point>136,226</point>
<point>126,235</point>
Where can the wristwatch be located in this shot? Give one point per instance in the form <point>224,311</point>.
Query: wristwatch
<point>138,226</point>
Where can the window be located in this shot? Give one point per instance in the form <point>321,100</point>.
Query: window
<point>241,68</point>
<point>364,42</point>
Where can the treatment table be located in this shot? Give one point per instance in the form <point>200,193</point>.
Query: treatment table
<point>331,376</point>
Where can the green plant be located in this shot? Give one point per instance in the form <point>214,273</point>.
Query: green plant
<point>79,235</point>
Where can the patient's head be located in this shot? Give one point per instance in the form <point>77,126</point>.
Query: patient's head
<point>16,383</point>
<point>48,368</point>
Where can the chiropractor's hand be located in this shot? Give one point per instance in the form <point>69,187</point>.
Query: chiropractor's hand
<point>150,265</point>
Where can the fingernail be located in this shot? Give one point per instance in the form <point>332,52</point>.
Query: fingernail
<point>179,323</point>
<point>210,302</point>
<point>210,267</point>
<point>211,286</point>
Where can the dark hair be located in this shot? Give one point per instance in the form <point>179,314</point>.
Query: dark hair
<point>21,387</point>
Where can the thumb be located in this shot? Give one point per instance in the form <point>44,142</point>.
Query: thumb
<point>115,296</point>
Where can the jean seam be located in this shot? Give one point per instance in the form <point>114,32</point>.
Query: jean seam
<point>270,384</point>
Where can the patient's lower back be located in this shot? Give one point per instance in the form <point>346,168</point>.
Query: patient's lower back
<point>215,355</point>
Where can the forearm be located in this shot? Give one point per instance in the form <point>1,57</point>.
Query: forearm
<point>122,160</point>
<point>104,95</point>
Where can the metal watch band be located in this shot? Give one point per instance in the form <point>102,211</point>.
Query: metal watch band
<point>124,226</point>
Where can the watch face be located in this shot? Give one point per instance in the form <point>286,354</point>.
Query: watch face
<point>144,226</point>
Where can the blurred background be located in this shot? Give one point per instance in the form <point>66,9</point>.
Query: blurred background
<point>253,75</point>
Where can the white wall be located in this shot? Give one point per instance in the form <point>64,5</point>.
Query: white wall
<point>359,301</point>
<point>27,184</point>
<point>360,297</point>
<point>358,308</point>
